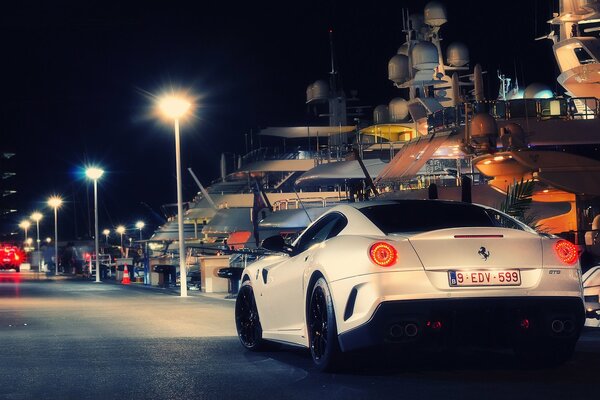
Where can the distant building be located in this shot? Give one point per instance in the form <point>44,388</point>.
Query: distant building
<point>8,206</point>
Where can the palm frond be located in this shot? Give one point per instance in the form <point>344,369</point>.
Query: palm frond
<point>517,203</point>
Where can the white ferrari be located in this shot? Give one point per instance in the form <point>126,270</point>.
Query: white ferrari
<point>414,272</point>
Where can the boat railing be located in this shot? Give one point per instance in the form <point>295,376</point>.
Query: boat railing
<point>574,108</point>
<point>295,204</point>
<point>274,153</point>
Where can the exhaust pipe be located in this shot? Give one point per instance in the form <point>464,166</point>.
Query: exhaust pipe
<point>411,330</point>
<point>557,326</point>
<point>569,326</point>
<point>396,331</point>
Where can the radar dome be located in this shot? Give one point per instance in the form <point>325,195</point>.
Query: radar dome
<point>320,90</point>
<point>381,114</point>
<point>398,109</point>
<point>483,124</point>
<point>403,49</point>
<point>537,91</point>
<point>424,56</point>
<point>457,54</point>
<point>435,14</point>
<point>398,69</point>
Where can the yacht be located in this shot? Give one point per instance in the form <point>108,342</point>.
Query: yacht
<point>458,136</point>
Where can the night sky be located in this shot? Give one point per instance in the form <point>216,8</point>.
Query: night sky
<point>79,79</point>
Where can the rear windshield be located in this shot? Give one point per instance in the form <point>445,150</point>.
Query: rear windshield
<point>422,216</point>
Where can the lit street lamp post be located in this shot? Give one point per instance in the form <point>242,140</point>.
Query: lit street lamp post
<point>121,230</point>
<point>55,202</point>
<point>174,108</point>
<point>25,224</point>
<point>140,225</point>
<point>106,232</point>
<point>94,174</point>
<point>37,216</point>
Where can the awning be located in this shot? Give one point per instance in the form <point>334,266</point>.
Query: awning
<point>342,170</point>
<point>293,132</point>
<point>411,158</point>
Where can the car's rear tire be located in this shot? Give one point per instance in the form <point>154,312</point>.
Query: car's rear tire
<point>322,328</point>
<point>247,321</point>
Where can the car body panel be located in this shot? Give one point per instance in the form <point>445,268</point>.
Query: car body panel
<point>421,273</point>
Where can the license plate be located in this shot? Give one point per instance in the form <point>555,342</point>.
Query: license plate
<point>509,277</point>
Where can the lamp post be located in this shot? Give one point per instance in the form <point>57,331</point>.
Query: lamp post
<point>174,108</point>
<point>121,230</point>
<point>140,225</point>
<point>55,202</point>
<point>106,232</point>
<point>94,174</point>
<point>25,224</point>
<point>37,216</point>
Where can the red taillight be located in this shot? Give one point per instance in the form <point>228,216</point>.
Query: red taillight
<point>383,254</point>
<point>566,251</point>
<point>17,257</point>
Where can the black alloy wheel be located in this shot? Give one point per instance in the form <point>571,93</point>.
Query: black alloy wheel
<point>322,331</point>
<point>247,321</point>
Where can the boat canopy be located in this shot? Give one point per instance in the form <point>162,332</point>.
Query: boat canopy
<point>411,158</point>
<point>341,170</point>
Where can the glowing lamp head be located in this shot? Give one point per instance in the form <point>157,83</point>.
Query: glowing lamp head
<point>25,224</point>
<point>48,240</point>
<point>36,216</point>
<point>140,225</point>
<point>106,232</point>
<point>174,107</point>
<point>55,202</point>
<point>383,254</point>
<point>120,229</point>
<point>94,173</point>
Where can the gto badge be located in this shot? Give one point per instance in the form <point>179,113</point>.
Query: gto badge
<point>484,253</point>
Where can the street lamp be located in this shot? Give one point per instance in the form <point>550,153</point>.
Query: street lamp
<point>94,174</point>
<point>121,230</point>
<point>174,108</point>
<point>140,225</point>
<point>55,202</point>
<point>37,216</point>
<point>25,224</point>
<point>106,232</point>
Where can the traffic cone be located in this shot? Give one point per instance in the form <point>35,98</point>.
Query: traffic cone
<point>126,280</point>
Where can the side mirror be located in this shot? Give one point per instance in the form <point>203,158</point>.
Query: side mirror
<point>276,244</point>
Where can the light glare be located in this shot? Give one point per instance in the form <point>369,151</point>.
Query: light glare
<point>174,107</point>
<point>94,173</point>
<point>55,201</point>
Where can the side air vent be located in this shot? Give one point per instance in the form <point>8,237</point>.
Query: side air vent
<point>350,304</point>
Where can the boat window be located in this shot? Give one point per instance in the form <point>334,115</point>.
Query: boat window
<point>583,56</point>
<point>328,227</point>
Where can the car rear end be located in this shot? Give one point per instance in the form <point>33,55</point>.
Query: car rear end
<point>484,285</point>
<point>11,257</point>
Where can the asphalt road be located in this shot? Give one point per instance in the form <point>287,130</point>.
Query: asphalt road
<point>70,339</point>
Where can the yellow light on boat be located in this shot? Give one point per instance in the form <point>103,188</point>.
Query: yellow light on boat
<point>487,162</point>
<point>498,158</point>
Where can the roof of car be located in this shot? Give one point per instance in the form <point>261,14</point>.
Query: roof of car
<point>407,202</point>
